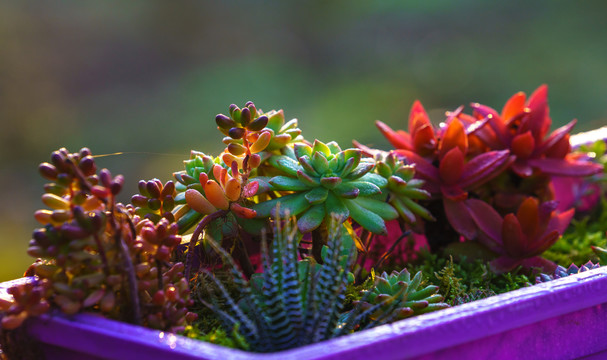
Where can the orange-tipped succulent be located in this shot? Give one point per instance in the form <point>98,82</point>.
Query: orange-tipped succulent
<point>224,193</point>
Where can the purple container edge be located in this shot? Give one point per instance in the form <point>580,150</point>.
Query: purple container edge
<point>409,338</point>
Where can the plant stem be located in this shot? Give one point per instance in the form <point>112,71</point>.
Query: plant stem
<point>194,239</point>
<point>127,264</point>
<point>160,282</point>
<point>101,250</point>
<point>387,253</point>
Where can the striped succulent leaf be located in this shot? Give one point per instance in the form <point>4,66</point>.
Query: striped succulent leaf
<point>299,302</point>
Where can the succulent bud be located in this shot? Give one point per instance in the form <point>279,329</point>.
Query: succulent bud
<point>117,184</point>
<point>87,165</point>
<point>55,202</point>
<point>105,177</point>
<point>254,161</point>
<point>224,122</point>
<point>48,171</point>
<point>236,132</point>
<point>168,189</point>
<point>236,149</point>
<point>153,189</point>
<point>258,123</point>
<point>245,116</point>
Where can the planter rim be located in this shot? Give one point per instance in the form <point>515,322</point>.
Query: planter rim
<point>406,338</point>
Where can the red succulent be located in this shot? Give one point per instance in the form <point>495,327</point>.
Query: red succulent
<point>442,159</point>
<point>519,238</point>
<point>522,128</point>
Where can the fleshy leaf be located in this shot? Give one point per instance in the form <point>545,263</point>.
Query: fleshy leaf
<point>311,219</point>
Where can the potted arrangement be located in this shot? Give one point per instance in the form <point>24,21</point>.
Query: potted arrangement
<point>306,250</point>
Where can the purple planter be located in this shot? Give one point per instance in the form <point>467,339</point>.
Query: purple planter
<point>562,319</point>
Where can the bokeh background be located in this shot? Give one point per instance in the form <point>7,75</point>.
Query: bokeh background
<point>146,78</point>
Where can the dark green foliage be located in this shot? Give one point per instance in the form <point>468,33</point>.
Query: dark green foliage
<point>473,296</point>
<point>403,292</point>
<point>463,279</point>
<point>291,310</point>
<point>217,335</point>
<point>576,244</point>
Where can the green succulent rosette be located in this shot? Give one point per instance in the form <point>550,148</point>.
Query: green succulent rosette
<point>283,133</point>
<point>400,287</point>
<point>403,189</point>
<point>320,180</point>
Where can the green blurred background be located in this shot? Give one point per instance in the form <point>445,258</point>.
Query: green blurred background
<point>147,77</point>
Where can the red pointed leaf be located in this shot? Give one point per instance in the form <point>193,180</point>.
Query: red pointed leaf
<point>504,264</point>
<point>454,193</point>
<point>459,218</point>
<point>528,216</point>
<point>424,141</point>
<point>399,141</point>
<point>417,117</point>
<point>513,237</point>
<point>454,136</point>
<point>488,221</point>
<point>514,105</point>
<point>523,145</point>
<point>451,166</point>
<point>484,167</point>
<point>561,221</point>
<point>560,149</point>
<point>537,120</point>
<point>563,167</point>
<point>543,243</point>
<point>522,168</point>
<point>555,137</point>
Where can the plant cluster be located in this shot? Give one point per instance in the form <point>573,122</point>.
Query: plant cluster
<point>303,227</point>
<point>492,175</point>
<point>96,254</point>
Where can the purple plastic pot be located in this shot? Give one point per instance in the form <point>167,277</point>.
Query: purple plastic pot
<point>562,319</point>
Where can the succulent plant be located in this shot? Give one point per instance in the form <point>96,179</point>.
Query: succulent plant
<point>473,296</point>
<point>155,200</point>
<point>283,134</point>
<point>92,250</point>
<point>246,136</point>
<point>324,180</point>
<point>522,127</point>
<point>519,238</point>
<point>402,188</point>
<point>400,288</point>
<point>291,310</point>
<point>562,272</point>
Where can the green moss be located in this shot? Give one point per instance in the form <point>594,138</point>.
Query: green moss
<point>575,245</point>
<point>218,336</point>
<point>466,280</point>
